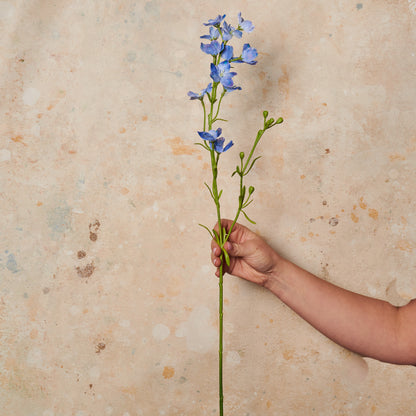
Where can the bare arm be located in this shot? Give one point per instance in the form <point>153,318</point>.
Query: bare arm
<point>370,327</point>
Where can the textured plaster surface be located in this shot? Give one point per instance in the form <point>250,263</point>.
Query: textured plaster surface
<point>108,303</point>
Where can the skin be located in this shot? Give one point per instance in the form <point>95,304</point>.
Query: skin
<point>370,327</point>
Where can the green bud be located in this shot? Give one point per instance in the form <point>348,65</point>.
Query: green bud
<point>241,155</point>
<point>269,122</point>
<point>279,120</point>
<point>265,114</point>
<point>250,190</point>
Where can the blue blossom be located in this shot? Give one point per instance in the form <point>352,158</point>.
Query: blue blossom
<point>248,55</point>
<point>213,48</point>
<point>216,21</point>
<point>196,96</point>
<point>219,145</point>
<point>215,141</point>
<point>232,88</point>
<point>228,32</point>
<point>213,34</point>
<point>221,73</point>
<point>245,25</point>
<point>227,53</point>
<point>211,135</point>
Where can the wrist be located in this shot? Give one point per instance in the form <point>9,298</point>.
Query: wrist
<point>273,277</point>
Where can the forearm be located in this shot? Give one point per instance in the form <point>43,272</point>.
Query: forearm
<point>367,326</point>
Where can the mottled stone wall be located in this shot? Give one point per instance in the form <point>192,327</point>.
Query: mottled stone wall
<point>108,302</point>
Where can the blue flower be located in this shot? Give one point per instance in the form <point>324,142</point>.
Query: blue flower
<point>232,88</point>
<point>221,73</point>
<point>219,145</point>
<point>213,34</point>
<point>227,53</point>
<point>211,135</point>
<point>216,21</point>
<point>228,32</point>
<point>213,48</point>
<point>215,141</point>
<point>245,25</point>
<point>200,96</point>
<point>248,55</point>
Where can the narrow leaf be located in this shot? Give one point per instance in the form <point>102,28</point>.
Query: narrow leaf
<point>227,257</point>
<point>202,145</point>
<point>217,237</point>
<point>210,233</point>
<point>252,164</point>
<point>247,218</point>
<point>210,191</point>
<point>247,203</point>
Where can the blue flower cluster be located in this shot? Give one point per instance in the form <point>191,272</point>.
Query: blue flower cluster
<point>220,33</point>
<point>224,54</point>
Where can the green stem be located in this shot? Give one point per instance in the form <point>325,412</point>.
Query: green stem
<point>214,167</point>
<point>220,349</point>
<point>218,107</point>
<point>220,238</point>
<point>259,134</point>
<point>240,206</point>
<point>205,113</point>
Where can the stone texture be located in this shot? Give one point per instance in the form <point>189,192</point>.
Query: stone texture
<point>107,296</point>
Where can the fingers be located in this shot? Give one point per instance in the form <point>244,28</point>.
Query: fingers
<point>216,252</point>
<point>225,223</point>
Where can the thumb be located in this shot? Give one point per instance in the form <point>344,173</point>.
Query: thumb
<point>237,250</point>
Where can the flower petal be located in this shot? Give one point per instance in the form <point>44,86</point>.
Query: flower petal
<point>216,21</point>
<point>206,136</point>
<point>193,95</point>
<point>228,146</point>
<point>213,48</point>
<point>227,52</point>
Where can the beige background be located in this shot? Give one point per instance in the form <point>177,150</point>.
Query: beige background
<point>108,301</point>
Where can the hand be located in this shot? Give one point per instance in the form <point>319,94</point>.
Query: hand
<point>251,258</point>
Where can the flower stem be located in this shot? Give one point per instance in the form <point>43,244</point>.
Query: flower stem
<point>220,238</point>
<point>220,349</point>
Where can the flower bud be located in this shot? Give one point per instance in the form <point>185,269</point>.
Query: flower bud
<point>250,190</point>
<point>265,114</point>
<point>279,120</point>
<point>241,155</point>
<point>269,122</point>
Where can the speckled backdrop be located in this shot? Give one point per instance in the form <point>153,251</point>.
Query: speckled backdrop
<point>108,301</point>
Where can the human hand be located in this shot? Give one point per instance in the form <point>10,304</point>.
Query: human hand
<point>251,258</point>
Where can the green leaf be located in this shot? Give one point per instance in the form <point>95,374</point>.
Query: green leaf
<point>202,145</point>
<point>204,226</point>
<point>247,218</point>
<point>252,164</point>
<point>227,257</point>
<point>210,191</point>
<point>217,237</point>
<point>248,203</point>
<point>237,170</point>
